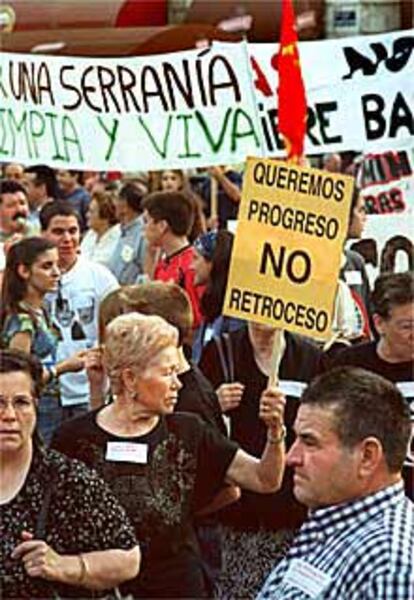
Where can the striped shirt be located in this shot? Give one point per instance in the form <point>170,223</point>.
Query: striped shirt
<point>355,551</point>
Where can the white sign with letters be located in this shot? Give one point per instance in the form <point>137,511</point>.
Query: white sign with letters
<point>203,107</point>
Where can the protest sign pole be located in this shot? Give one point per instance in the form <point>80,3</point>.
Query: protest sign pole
<point>213,198</point>
<point>277,354</point>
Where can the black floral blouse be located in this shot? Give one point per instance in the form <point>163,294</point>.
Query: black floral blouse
<point>83,516</point>
<point>186,466</point>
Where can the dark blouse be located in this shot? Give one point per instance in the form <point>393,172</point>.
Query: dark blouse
<point>198,396</point>
<point>180,466</point>
<point>83,516</point>
<point>300,363</point>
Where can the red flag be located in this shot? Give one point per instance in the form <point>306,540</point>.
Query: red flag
<point>291,91</point>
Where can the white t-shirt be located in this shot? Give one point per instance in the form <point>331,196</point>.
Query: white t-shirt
<point>74,311</point>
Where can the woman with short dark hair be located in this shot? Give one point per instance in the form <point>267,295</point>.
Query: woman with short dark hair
<point>100,240</point>
<point>60,526</point>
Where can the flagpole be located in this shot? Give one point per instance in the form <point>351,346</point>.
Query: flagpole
<point>252,88</point>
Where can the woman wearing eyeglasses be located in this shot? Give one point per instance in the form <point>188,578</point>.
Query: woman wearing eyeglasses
<point>31,272</point>
<point>60,526</point>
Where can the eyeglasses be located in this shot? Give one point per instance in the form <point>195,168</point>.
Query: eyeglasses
<point>20,403</point>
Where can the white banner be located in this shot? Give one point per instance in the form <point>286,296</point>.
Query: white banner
<point>360,92</point>
<point>197,108</point>
<point>178,110</point>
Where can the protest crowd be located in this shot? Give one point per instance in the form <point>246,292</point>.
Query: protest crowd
<point>174,411</point>
<point>177,424</point>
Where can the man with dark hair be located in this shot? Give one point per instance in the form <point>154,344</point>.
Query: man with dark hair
<point>226,183</point>
<point>14,209</point>
<point>14,212</point>
<point>168,218</point>
<point>42,187</point>
<point>72,191</point>
<point>74,308</point>
<point>352,430</point>
<point>14,171</point>
<point>127,261</point>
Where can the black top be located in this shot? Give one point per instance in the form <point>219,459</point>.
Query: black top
<point>83,516</point>
<point>227,208</point>
<point>300,362</point>
<point>198,396</point>
<point>186,466</point>
<point>366,357</point>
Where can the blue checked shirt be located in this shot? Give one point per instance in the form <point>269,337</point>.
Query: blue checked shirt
<point>362,550</point>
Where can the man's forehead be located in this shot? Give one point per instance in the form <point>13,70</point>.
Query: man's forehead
<point>316,418</point>
<point>63,222</point>
<point>11,199</point>
<point>28,176</point>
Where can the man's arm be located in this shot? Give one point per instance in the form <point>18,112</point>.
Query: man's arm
<point>230,188</point>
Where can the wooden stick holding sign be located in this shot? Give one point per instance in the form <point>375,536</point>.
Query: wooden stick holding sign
<point>213,198</point>
<point>279,345</point>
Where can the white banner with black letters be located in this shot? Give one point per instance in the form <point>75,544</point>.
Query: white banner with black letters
<point>196,108</point>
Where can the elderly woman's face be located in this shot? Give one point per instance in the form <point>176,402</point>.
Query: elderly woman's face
<point>157,387</point>
<point>398,331</point>
<point>17,411</point>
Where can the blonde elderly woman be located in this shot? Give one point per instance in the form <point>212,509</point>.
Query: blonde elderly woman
<point>164,466</point>
<point>60,525</point>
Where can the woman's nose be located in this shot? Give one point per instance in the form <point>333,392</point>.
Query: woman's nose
<point>176,382</point>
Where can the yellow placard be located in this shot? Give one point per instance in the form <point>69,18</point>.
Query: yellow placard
<point>291,228</point>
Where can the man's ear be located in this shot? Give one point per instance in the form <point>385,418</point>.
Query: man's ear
<point>163,225</point>
<point>371,455</point>
<point>23,271</point>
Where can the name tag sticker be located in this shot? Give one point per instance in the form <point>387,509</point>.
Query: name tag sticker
<point>306,577</point>
<point>127,452</point>
<point>127,253</point>
<point>292,388</point>
<point>353,277</point>
<point>406,388</point>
